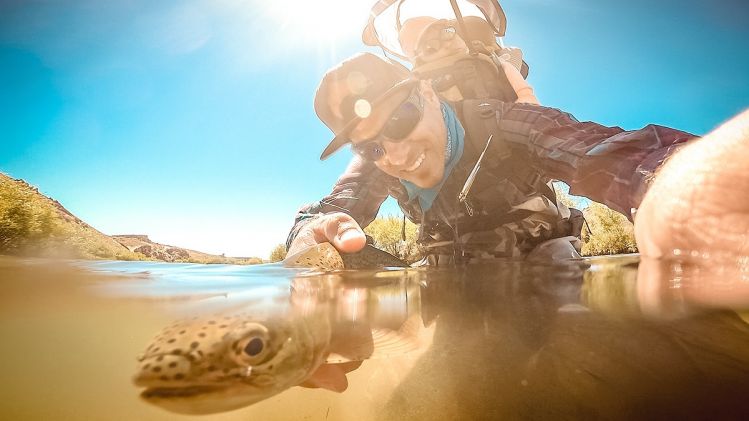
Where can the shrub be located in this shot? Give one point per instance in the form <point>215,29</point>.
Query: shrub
<point>610,231</point>
<point>387,233</point>
<point>26,224</point>
<point>278,253</point>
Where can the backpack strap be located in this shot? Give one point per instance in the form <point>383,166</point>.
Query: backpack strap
<point>481,120</point>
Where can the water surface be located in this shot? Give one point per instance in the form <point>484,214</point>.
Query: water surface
<point>593,339</point>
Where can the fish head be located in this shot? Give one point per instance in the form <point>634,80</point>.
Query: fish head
<point>221,363</point>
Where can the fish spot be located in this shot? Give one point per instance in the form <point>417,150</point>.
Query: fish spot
<point>204,327</point>
<point>164,378</point>
<point>147,366</point>
<point>171,341</point>
<point>194,345</point>
<point>179,376</point>
<point>201,334</point>
<point>156,349</point>
<point>176,352</point>
<point>226,371</point>
<point>211,322</point>
<point>223,326</point>
<point>173,364</point>
<point>160,358</point>
<point>156,369</point>
<point>182,332</point>
<point>212,368</point>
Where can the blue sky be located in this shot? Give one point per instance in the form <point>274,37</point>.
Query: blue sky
<point>192,121</point>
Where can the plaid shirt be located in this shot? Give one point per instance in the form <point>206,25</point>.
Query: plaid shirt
<point>605,164</point>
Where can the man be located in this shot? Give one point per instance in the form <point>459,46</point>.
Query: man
<point>425,152</point>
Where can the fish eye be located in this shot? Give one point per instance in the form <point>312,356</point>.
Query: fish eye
<point>254,347</point>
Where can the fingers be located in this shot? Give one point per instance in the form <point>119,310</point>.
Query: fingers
<point>341,230</point>
<point>697,202</point>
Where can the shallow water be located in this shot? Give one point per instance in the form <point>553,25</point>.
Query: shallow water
<point>594,339</point>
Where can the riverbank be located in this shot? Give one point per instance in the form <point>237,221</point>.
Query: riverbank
<point>35,225</point>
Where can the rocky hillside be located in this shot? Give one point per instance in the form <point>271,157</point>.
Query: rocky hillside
<point>32,224</point>
<point>143,245</point>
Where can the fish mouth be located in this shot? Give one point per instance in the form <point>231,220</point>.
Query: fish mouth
<point>202,399</point>
<point>177,392</point>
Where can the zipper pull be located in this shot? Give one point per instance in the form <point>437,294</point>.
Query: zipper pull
<point>468,206</point>
<point>463,195</point>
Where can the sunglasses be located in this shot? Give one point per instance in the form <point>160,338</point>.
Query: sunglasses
<point>400,124</point>
<point>434,39</point>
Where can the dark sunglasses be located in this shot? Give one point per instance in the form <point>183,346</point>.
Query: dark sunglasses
<point>400,124</point>
<point>434,39</point>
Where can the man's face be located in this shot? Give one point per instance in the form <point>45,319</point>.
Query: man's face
<point>420,156</point>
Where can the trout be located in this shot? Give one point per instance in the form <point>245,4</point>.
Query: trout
<point>223,362</point>
<point>325,257</point>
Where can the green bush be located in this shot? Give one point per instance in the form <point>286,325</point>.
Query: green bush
<point>610,231</point>
<point>387,233</point>
<point>278,253</point>
<point>26,224</point>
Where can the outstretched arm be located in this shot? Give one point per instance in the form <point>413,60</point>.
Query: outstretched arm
<point>606,164</point>
<point>690,194</point>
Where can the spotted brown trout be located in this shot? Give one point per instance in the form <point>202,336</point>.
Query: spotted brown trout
<point>222,362</point>
<point>325,257</point>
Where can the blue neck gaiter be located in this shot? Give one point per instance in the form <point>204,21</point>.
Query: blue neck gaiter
<point>453,152</point>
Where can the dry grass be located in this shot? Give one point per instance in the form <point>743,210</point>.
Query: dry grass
<point>32,224</point>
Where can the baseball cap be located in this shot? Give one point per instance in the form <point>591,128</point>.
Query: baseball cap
<point>350,91</point>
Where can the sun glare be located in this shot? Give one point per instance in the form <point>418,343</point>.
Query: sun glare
<point>320,22</point>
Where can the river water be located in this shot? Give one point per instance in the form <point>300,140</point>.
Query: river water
<point>585,340</point>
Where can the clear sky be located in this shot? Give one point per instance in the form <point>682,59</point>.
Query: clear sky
<point>192,121</point>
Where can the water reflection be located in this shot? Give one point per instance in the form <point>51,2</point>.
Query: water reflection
<point>515,342</point>
<point>323,330</point>
<point>581,340</point>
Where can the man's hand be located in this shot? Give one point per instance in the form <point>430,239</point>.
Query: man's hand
<point>698,205</point>
<point>340,229</point>
<point>697,213</point>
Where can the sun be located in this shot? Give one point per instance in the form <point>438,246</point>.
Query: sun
<point>319,22</point>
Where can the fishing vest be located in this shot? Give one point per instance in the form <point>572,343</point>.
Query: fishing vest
<point>509,208</point>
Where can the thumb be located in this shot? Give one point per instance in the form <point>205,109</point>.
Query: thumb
<point>342,231</point>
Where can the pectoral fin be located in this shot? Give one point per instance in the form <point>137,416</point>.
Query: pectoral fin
<point>331,376</point>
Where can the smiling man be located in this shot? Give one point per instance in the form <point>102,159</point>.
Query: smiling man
<point>475,173</point>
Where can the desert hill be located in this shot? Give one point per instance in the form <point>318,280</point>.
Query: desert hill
<point>32,224</point>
